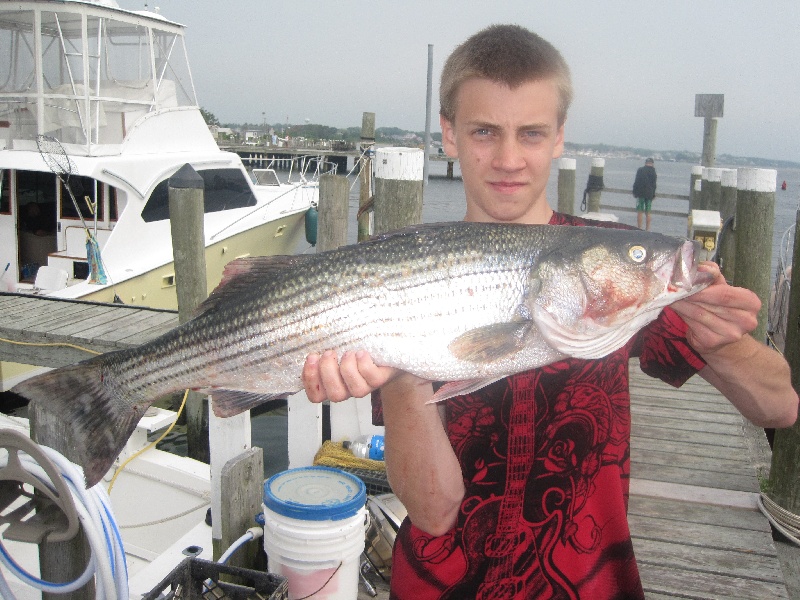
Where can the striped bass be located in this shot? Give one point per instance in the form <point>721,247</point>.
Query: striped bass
<point>464,303</point>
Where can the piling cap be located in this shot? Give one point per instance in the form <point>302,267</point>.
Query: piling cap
<point>315,494</point>
<point>186,178</point>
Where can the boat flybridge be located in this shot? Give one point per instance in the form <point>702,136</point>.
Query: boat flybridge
<point>97,112</point>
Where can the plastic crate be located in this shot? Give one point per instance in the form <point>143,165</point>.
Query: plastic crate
<point>376,481</point>
<point>198,579</point>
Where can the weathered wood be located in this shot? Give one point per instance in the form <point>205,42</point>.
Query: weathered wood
<point>398,188</point>
<point>596,172</point>
<point>186,198</point>
<point>711,190</point>
<point>333,207</point>
<point>241,478</point>
<point>755,218</point>
<point>785,470</point>
<point>51,321</point>
<point>566,185</point>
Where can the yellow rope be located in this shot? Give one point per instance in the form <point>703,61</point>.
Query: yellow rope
<point>150,445</point>
<point>64,344</point>
<point>332,454</point>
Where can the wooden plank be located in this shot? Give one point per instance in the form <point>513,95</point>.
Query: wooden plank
<point>705,586</point>
<point>681,474</point>
<point>44,316</point>
<point>700,535</point>
<point>688,425</point>
<point>683,448</point>
<point>74,326</point>
<point>698,437</point>
<point>696,512</point>
<point>159,324</point>
<point>677,415</point>
<point>101,329</point>
<point>645,456</point>
<point>745,565</point>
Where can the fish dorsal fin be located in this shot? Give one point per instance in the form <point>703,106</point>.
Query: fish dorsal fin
<point>491,342</point>
<point>244,273</point>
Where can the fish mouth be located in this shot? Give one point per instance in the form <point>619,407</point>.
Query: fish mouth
<point>685,275</point>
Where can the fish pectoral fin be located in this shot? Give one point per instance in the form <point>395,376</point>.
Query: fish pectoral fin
<point>459,388</point>
<point>228,403</point>
<point>490,342</point>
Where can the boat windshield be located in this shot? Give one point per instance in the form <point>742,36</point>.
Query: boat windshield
<point>84,73</point>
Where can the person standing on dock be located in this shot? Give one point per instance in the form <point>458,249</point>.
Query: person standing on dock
<point>644,190</point>
<point>520,488</point>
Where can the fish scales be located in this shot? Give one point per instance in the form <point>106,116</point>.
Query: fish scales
<point>465,303</point>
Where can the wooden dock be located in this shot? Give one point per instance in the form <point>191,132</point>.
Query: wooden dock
<point>697,531</point>
<point>28,321</point>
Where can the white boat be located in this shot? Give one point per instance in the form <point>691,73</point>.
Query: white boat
<point>113,88</point>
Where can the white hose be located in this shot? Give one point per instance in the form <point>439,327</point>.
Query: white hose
<point>107,563</point>
<point>251,534</point>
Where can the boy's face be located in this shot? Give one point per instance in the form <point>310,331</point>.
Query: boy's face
<point>505,140</point>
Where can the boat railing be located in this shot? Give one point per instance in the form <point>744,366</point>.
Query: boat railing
<point>778,312</point>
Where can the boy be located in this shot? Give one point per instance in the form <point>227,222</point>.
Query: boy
<point>519,490</point>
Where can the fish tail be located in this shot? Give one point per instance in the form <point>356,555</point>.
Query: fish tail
<point>96,420</point>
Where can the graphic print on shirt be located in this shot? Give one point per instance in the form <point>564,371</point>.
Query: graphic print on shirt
<point>511,536</point>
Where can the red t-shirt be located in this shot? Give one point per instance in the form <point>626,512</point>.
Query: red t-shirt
<point>545,457</point>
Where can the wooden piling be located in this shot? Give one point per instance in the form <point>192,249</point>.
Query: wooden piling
<point>594,186</point>
<point>709,142</point>
<point>784,476</point>
<point>566,185</point>
<point>712,188</point>
<point>334,191</point>
<point>727,199</point>
<point>365,196</point>
<point>694,178</point>
<point>60,561</point>
<point>186,192</point>
<point>398,188</point>
<point>755,216</point>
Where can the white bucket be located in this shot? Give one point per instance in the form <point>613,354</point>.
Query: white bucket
<point>315,522</point>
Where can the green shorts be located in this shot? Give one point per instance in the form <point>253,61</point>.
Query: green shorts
<point>643,205</point>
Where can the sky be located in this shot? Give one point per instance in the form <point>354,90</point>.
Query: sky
<point>636,65</point>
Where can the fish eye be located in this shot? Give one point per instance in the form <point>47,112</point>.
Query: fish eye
<point>637,253</point>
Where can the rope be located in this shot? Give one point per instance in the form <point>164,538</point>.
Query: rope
<point>64,344</point>
<point>593,184</point>
<point>783,520</point>
<point>166,519</point>
<point>150,445</point>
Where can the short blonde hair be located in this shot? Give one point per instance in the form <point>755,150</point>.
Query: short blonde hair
<point>507,54</point>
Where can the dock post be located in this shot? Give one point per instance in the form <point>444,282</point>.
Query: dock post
<point>755,217</point>
<point>784,476</point>
<point>365,197</point>
<point>594,186</point>
<point>566,185</point>
<point>186,192</point>
<point>727,209</point>
<point>334,193</point>
<point>60,561</point>
<point>697,174</point>
<point>727,198</point>
<point>712,188</point>
<point>398,188</point>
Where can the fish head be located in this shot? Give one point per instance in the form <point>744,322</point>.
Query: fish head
<point>591,296</point>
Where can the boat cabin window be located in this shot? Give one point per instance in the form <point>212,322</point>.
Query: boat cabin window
<point>5,192</point>
<point>88,195</point>
<point>225,189</point>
